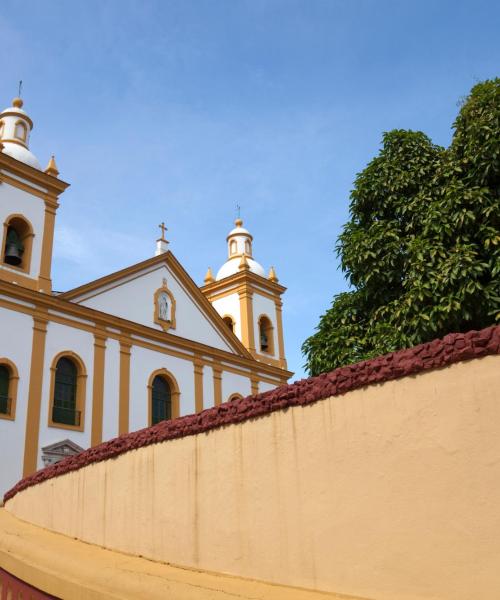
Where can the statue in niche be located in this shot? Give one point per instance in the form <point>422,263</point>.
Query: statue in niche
<point>163,307</point>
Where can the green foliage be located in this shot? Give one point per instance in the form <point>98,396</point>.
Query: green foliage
<point>422,248</point>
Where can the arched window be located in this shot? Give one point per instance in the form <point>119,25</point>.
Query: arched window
<point>248,249</point>
<point>8,389</point>
<point>17,242</point>
<point>229,322</point>
<point>233,247</point>
<point>161,400</point>
<point>20,131</point>
<point>5,399</point>
<point>235,397</point>
<point>64,408</point>
<point>266,335</point>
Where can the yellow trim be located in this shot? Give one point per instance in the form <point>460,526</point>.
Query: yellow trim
<point>165,325</point>
<point>217,377</point>
<point>104,320</point>
<point>53,185</point>
<point>255,385</point>
<point>13,384</point>
<point>124,386</point>
<point>245,278</point>
<point>281,341</point>
<point>174,390</point>
<point>47,245</point>
<point>35,393</point>
<point>98,388</point>
<point>246,320</point>
<point>183,278</point>
<point>198,384</point>
<point>81,390</point>
<point>14,113</point>
<point>26,239</point>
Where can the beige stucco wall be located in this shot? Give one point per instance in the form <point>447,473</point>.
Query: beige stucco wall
<point>391,492</point>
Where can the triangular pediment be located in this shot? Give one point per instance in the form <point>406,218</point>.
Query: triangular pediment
<point>158,293</point>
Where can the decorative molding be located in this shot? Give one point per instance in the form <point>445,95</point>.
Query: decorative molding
<point>81,390</point>
<point>98,387</point>
<point>174,390</point>
<point>13,384</point>
<point>179,346</point>
<point>164,307</point>
<point>35,393</point>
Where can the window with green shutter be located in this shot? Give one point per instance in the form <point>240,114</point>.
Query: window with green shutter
<point>4,390</point>
<point>65,388</point>
<point>161,398</point>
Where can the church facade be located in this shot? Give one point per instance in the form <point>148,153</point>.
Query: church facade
<point>122,352</point>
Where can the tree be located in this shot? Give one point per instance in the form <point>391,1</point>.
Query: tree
<point>421,250</point>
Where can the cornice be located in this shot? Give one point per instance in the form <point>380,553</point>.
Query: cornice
<point>52,184</point>
<point>180,273</point>
<point>242,278</point>
<point>104,320</point>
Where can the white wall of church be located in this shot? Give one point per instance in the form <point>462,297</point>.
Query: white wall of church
<point>265,387</point>
<point>61,338</point>
<point>15,345</point>
<point>143,363</point>
<point>111,390</point>
<point>16,201</point>
<point>230,305</point>
<point>235,384</point>
<point>265,306</point>
<point>134,300</point>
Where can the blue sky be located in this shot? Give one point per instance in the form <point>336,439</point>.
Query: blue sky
<point>178,111</point>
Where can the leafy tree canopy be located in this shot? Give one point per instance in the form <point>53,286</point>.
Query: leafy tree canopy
<point>421,250</point>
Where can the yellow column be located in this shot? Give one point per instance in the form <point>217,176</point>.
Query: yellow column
<point>35,393</point>
<point>247,324</point>
<point>217,384</point>
<point>98,387</point>
<point>45,282</point>
<point>198,384</point>
<point>281,342</point>
<point>123,414</point>
<point>255,384</point>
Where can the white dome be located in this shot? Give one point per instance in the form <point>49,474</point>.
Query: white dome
<point>22,154</point>
<point>15,128</point>
<point>232,266</point>
<point>239,230</point>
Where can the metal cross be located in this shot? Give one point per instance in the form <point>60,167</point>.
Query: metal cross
<point>238,210</point>
<point>163,229</point>
<point>20,88</point>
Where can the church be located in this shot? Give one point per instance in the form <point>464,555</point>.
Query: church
<point>125,351</point>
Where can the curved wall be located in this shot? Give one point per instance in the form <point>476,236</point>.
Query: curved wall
<point>389,491</point>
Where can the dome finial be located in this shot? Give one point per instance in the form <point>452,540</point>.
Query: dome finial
<point>209,278</point>
<point>244,266</point>
<point>272,275</point>
<point>52,167</point>
<point>17,102</point>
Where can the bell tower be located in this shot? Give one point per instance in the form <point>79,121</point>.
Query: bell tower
<point>249,301</point>
<point>28,204</point>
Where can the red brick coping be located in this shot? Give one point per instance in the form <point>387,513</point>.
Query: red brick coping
<point>453,348</point>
